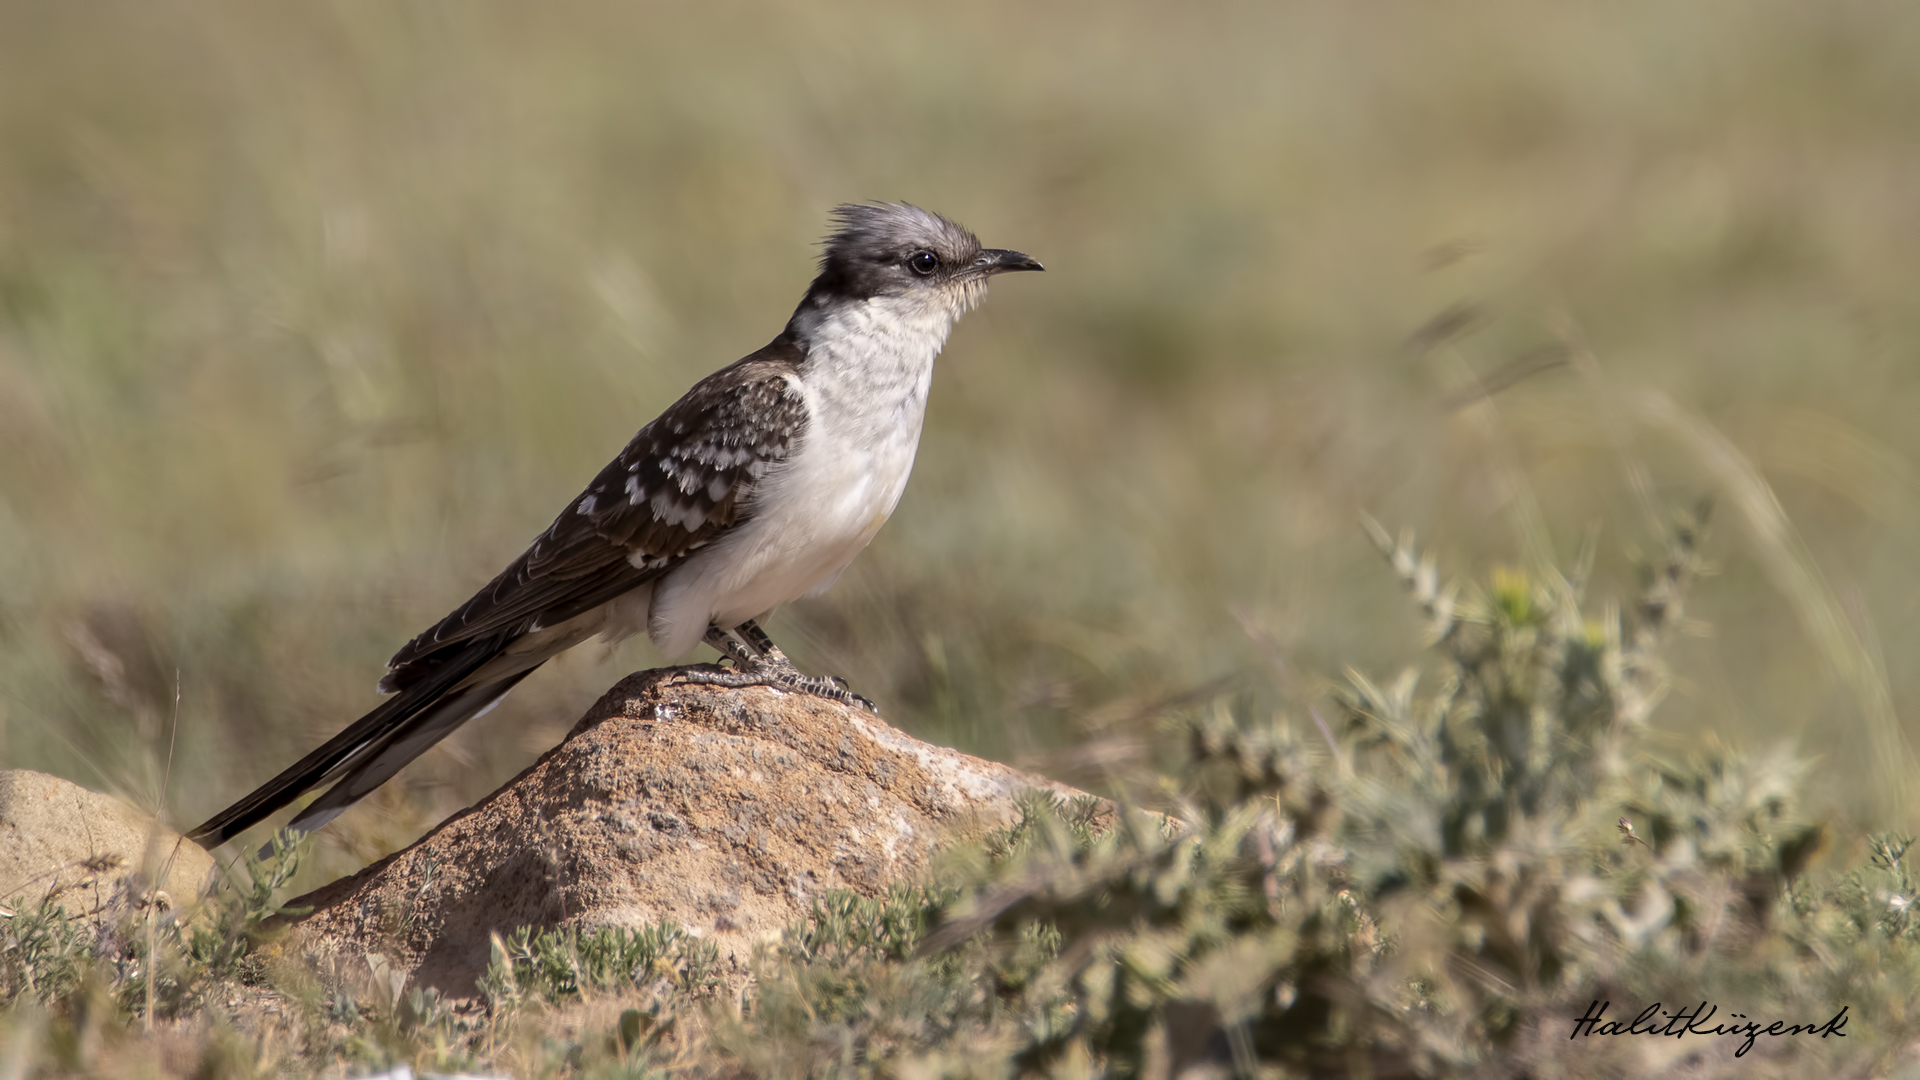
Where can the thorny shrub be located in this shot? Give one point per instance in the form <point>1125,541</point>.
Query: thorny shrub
<point>1440,887</point>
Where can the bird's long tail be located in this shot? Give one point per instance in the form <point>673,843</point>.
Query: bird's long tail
<point>372,748</point>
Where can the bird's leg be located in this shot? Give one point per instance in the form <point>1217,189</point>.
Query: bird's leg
<point>837,689</point>
<point>769,668</point>
<point>758,640</point>
<point>730,648</point>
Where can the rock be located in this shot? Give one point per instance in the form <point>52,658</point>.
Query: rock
<point>725,811</point>
<point>91,853</point>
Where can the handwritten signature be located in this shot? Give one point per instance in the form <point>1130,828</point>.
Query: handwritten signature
<point>1695,1021</point>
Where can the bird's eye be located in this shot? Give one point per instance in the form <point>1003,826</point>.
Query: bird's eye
<point>922,262</point>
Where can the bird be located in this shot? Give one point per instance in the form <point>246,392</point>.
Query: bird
<point>757,487</point>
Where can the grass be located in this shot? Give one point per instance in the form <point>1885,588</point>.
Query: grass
<point>310,319</point>
<point>1479,857</point>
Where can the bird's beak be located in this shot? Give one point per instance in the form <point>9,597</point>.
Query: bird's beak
<point>1000,260</point>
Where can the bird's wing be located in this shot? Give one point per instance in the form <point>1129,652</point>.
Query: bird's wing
<point>684,481</point>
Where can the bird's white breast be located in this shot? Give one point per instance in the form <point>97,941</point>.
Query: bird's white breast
<point>865,384</point>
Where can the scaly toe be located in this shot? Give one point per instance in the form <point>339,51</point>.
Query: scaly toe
<point>781,678</point>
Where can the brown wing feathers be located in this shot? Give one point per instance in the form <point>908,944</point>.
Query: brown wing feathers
<point>685,480</point>
<point>677,486</point>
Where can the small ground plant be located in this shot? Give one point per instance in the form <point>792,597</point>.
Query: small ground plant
<point>1443,883</point>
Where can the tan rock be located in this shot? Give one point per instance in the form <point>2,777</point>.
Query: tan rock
<point>725,811</point>
<point>91,853</point>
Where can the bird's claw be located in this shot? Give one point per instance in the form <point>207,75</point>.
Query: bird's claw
<point>844,691</point>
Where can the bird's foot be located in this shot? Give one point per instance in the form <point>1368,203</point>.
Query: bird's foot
<point>793,681</point>
<point>769,668</point>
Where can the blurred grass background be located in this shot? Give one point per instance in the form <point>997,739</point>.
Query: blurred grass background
<point>311,316</point>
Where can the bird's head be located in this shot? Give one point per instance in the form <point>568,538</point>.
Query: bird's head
<point>898,250</point>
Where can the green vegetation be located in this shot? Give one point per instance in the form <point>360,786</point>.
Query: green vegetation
<point>311,316</point>
<point>311,319</point>
<point>1441,889</point>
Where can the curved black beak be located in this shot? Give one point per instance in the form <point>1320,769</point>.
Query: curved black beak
<point>1000,260</point>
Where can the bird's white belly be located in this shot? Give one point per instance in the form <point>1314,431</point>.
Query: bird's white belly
<point>865,383</point>
<point>823,509</point>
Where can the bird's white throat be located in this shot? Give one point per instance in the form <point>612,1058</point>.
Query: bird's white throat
<point>869,365</point>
